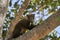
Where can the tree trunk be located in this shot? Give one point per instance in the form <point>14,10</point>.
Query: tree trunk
<point>3,10</point>
<point>42,30</point>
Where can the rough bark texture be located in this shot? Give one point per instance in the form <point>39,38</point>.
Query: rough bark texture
<point>3,10</point>
<point>17,18</point>
<point>42,30</point>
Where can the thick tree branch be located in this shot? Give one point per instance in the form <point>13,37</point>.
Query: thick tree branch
<point>17,18</point>
<point>42,30</point>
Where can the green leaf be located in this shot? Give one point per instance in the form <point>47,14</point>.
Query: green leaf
<point>30,6</point>
<point>12,10</point>
<point>25,12</point>
<point>10,4</point>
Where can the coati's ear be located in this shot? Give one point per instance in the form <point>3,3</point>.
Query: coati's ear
<point>33,15</point>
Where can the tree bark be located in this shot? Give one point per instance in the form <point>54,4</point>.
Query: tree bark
<point>42,30</point>
<point>17,18</point>
<point>3,10</point>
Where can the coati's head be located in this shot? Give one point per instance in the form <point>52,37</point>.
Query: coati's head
<point>30,17</point>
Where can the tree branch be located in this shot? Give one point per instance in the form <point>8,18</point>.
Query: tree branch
<point>42,30</point>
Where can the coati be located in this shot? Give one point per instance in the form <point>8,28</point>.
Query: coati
<point>22,25</point>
